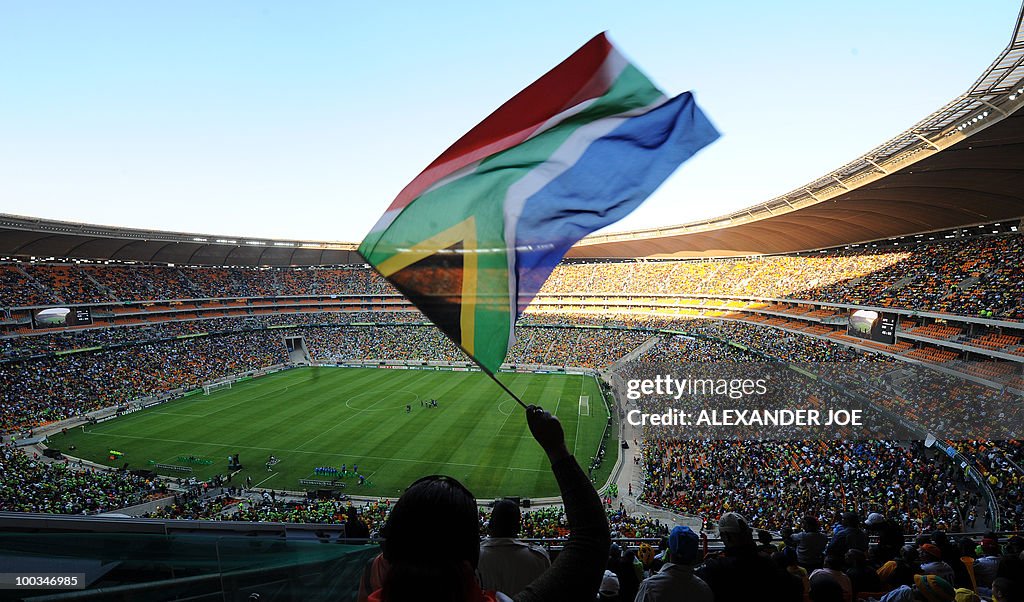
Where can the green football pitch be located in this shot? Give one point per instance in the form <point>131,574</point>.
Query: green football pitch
<point>329,417</point>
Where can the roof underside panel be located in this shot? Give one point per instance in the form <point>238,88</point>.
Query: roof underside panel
<point>978,180</point>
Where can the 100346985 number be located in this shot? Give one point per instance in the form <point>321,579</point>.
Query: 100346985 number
<point>42,580</point>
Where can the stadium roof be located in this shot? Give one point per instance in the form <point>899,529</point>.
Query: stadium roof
<point>43,239</point>
<point>962,165</point>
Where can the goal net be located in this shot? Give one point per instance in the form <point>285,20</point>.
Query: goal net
<point>584,405</point>
<point>214,387</point>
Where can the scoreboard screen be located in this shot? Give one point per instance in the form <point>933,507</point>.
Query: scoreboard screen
<point>873,325</point>
<point>60,317</point>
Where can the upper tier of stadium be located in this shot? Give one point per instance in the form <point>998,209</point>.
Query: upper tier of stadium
<point>962,165</point>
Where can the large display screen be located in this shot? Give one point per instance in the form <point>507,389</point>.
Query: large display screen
<point>61,317</point>
<point>873,325</point>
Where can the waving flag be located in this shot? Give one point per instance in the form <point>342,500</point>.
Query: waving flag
<point>472,238</point>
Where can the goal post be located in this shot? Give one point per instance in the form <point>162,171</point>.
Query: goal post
<point>584,405</point>
<point>214,387</point>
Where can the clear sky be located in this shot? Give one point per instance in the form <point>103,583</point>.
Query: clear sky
<point>304,119</point>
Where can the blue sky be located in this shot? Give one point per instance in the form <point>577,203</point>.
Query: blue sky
<point>303,120</point>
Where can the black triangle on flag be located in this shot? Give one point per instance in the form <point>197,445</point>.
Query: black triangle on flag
<point>434,285</point>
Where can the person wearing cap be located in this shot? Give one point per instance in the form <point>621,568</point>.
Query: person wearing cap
<point>740,574</point>
<point>926,588</point>
<point>987,565</point>
<point>609,590</point>
<point>932,563</point>
<point>506,564</point>
<point>890,535</point>
<point>675,580</point>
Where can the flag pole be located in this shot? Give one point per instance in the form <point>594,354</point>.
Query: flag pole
<point>500,384</point>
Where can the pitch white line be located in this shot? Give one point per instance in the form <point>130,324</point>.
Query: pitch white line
<point>579,419</point>
<point>298,451</point>
<point>264,480</point>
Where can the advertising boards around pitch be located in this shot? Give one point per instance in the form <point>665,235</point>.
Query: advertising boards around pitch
<point>873,326</point>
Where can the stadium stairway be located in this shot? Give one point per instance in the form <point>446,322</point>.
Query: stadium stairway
<point>636,353</point>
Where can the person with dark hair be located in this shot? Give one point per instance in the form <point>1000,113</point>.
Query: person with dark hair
<point>740,574</point>
<point>833,571</point>
<point>951,556</point>
<point>849,536</point>
<point>826,590</point>
<point>432,536</point>
<point>506,564</point>
<point>354,527</point>
<point>1007,590</point>
<point>810,543</point>
<point>764,543</point>
<point>621,563</point>
<point>862,577</point>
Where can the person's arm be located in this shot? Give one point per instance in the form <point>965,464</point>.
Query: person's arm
<point>576,573</point>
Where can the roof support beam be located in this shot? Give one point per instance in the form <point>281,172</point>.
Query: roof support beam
<point>926,141</point>
<point>880,168</point>
<point>992,106</point>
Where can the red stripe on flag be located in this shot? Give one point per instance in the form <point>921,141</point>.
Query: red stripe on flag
<point>572,81</point>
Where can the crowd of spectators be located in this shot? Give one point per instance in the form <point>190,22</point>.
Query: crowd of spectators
<point>968,276</point>
<point>54,388</point>
<point>1001,463</point>
<point>586,348</point>
<point>28,484</point>
<point>43,342</point>
<point>965,276</point>
<point>28,284</point>
<point>545,522</point>
<point>774,483</point>
<point>376,343</point>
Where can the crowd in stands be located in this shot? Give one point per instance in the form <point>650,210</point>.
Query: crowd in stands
<point>29,284</point>
<point>774,483</point>
<point>43,342</point>
<point>375,343</point>
<point>1001,463</point>
<point>965,276</point>
<point>546,522</point>
<point>585,348</point>
<point>27,484</point>
<point>969,276</point>
<point>59,387</point>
